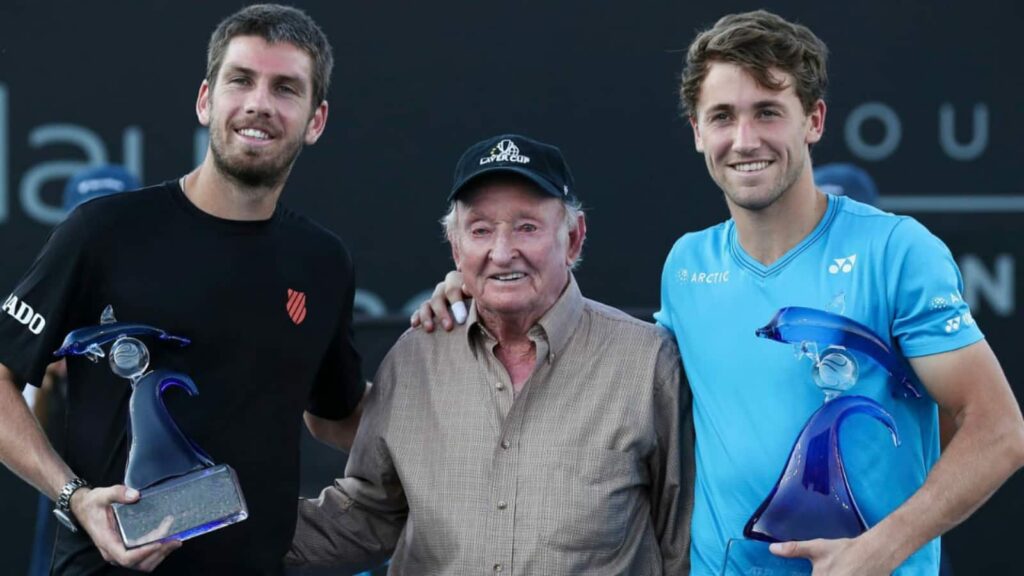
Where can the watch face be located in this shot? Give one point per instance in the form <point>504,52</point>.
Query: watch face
<point>66,520</point>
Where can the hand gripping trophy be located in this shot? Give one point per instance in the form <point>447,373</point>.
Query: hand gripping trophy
<point>812,497</point>
<point>183,494</point>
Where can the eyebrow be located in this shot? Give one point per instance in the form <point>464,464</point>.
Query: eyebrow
<point>277,77</point>
<point>760,104</point>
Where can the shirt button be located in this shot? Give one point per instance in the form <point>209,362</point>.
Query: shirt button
<point>500,386</point>
<point>502,505</point>
<point>505,444</point>
<point>498,567</point>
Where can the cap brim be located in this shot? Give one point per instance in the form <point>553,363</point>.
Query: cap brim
<point>544,185</point>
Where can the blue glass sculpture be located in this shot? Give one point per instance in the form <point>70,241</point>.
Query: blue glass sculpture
<point>812,498</point>
<point>183,494</point>
<point>798,325</point>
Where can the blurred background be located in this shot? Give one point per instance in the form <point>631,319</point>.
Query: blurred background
<point>925,96</point>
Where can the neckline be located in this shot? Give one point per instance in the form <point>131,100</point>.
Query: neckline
<point>755,267</point>
<point>234,226</point>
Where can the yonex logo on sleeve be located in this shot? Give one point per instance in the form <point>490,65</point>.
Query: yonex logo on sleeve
<point>23,313</point>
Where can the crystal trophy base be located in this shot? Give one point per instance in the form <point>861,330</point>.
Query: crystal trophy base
<point>751,557</point>
<point>183,507</point>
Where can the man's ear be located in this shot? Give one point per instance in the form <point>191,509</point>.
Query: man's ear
<point>317,123</point>
<point>816,122</point>
<point>698,142</point>
<point>203,103</point>
<point>576,238</point>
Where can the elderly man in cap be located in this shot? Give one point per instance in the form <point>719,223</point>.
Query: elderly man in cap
<point>548,435</point>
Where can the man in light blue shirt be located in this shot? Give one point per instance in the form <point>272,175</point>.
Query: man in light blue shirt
<point>753,89</point>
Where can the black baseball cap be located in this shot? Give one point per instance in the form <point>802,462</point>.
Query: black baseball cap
<point>541,163</point>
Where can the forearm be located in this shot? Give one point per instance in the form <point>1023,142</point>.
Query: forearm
<point>24,448</point>
<point>977,461</point>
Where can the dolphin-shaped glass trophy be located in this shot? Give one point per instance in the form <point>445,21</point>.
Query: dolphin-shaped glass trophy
<point>812,498</point>
<point>183,494</point>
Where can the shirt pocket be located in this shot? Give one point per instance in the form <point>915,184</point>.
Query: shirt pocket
<point>591,497</point>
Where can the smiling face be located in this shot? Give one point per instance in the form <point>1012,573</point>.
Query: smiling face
<point>514,249</point>
<point>259,110</point>
<point>755,140</point>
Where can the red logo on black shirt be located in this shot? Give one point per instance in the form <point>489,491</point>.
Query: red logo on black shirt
<point>296,306</point>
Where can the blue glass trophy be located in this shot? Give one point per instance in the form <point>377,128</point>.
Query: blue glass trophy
<point>183,494</point>
<point>812,497</point>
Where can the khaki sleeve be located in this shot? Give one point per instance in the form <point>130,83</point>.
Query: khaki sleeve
<point>673,462</point>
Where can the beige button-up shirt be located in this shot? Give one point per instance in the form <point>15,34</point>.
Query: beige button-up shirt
<point>587,470</point>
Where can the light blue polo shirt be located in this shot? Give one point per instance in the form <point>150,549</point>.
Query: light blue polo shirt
<point>752,396</point>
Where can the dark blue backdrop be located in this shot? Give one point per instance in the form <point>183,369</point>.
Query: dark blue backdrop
<point>925,95</point>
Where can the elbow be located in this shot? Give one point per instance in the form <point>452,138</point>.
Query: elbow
<point>316,428</point>
<point>1015,445</point>
<point>337,434</point>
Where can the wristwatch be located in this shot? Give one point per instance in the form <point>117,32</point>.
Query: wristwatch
<point>63,509</point>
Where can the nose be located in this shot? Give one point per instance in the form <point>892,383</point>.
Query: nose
<point>746,138</point>
<point>258,100</point>
<point>503,251</point>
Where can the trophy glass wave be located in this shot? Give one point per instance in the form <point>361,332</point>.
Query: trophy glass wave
<point>183,494</point>
<point>812,497</point>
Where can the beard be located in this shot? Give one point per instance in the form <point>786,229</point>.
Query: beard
<point>250,168</point>
<point>758,202</point>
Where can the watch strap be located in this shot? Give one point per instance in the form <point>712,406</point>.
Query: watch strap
<point>63,509</point>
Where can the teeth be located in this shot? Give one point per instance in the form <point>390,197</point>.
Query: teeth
<point>751,166</point>
<point>254,133</point>
<point>509,276</point>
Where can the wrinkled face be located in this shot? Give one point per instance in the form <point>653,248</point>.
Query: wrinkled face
<point>514,250</point>
<point>259,110</point>
<point>755,140</point>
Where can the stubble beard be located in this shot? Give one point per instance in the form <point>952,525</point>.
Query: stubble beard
<point>250,170</point>
<point>759,202</point>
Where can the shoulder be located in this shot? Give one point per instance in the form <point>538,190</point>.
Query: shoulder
<point>416,348</point>
<point>622,325</point>
<point>900,234</point>
<point>701,241</point>
<point>315,238</point>
<point>102,222</point>
<point>649,344</point>
<point>122,208</point>
<point>859,219</point>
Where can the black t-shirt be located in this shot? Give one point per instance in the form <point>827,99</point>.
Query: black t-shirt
<point>261,353</point>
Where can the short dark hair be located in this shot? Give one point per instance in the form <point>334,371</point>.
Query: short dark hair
<point>275,23</point>
<point>757,42</point>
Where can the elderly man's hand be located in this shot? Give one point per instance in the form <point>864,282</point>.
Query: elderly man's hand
<point>92,508</point>
<point>447,293</point>
<point>839,557</point>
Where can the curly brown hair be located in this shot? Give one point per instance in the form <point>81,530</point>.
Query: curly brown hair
<point>758,42</point>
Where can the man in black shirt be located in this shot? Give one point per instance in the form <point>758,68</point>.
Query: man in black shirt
<point>265,296</point>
